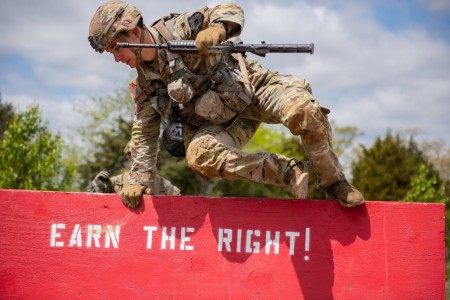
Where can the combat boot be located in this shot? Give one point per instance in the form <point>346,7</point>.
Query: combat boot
<point>297,178</point>
<point>345,193</point>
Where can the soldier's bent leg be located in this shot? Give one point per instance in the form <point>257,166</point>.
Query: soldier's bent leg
<point>309,120</point>
<point>215,152</point>
<point>166,187</point>
<point>288,100</point>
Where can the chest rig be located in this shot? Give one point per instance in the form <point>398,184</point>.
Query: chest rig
<point>218,93</point>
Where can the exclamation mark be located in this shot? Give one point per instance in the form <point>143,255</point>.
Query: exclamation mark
<point>307,243</point>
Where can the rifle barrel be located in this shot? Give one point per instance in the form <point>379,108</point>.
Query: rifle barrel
<point>128,45</point>
<point>182,46</point>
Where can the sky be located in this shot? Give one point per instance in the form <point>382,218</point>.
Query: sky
<point>378,65</point>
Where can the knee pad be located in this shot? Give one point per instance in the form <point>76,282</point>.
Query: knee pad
<point>205,156</point>
<point>308,120</point>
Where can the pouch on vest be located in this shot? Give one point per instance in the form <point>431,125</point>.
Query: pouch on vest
<point>180,90</point>
<point>210,107</point>
<point>173,135</point>
<point>230,82</point>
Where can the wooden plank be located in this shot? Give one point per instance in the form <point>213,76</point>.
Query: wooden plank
<point>69,245</point>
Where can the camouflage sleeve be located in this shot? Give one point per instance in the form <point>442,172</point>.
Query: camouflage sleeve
<point>144,136</point>
<point>189,24</point>
<point>228,12</point>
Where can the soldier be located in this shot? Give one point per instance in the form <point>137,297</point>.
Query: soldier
<point>217,101</point>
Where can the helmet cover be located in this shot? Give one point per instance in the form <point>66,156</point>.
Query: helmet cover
<point>109,20</point>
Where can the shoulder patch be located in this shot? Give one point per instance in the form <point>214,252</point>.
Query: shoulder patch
<point>134,89</point>
<point>195,22</point>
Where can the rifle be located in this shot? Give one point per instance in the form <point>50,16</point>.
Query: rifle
<point>188,47</point>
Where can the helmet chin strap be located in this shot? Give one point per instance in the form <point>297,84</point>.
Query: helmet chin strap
<point>137,51</point>
<point>139,60</point>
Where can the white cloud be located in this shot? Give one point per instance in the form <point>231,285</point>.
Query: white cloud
<point>436,5</point>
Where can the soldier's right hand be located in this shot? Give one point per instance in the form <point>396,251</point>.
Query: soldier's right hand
<point>131,195</point>
<point>210,36</point>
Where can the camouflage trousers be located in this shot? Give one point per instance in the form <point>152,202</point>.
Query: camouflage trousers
<point>215,150</point>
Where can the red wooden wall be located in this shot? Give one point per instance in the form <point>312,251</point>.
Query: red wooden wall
<point>56,245</point>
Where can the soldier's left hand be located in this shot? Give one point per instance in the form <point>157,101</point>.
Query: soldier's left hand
<point>131,195</point>
<point>210,36</point>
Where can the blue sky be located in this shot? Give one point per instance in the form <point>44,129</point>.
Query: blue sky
<point>379,65</point>
<point>400,14</point>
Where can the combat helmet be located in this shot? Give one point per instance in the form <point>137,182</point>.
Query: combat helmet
<point>109,20</point>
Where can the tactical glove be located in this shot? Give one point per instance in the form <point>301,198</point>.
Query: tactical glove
<point>131,195</point>
<point>210,36</point>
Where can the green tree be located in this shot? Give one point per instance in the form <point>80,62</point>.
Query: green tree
<point>343,138</point>
<point>177,171</point>
<point>105,131</point>
<point>31,156</point>
<point>438,155</point>
<point>6,115</point>
<point>385,170</point>
<point>425,187</point>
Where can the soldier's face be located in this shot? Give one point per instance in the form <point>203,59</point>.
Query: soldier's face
<point>123,55</point>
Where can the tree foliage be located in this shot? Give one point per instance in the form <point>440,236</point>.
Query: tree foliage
<point>343,138</point>
<point>438,155</point>
<point>385,170</point>
<point>425,187</point>
<point>31,156</point>
<point>6,115</point>
<point>177,171</point>
<point>105,132</point>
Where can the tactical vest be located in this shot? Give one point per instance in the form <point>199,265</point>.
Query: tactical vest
<point>219,96</point>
